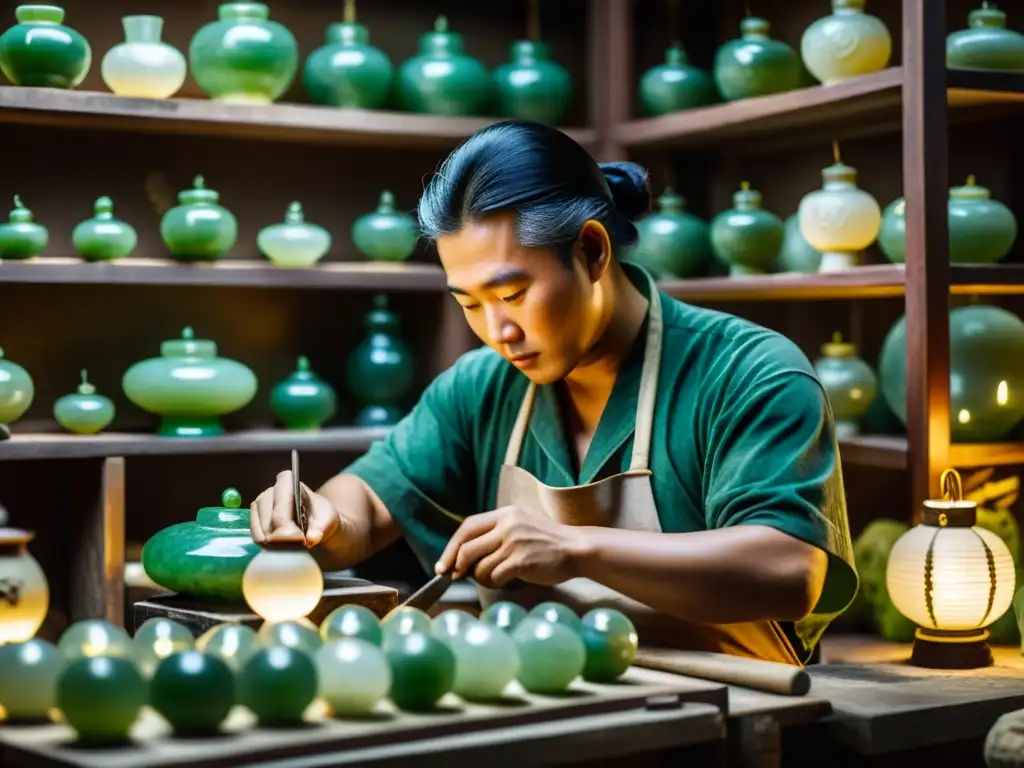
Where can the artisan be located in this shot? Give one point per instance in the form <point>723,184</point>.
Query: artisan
<point>608,445</point>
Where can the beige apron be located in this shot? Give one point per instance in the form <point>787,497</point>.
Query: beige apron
<point>625,501</point>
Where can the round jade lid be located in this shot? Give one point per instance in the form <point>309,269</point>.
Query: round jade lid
<point>303,371</point>
<point>235,11</point>
<point>441,40</point>
<point>294,214</point>
<point>381,318</point>
<point>671,201</point>
<point>19,214</point>
<point>754,26</point>
<point>746,197</point>
<point>39,14</point>
<point>675,56</point>
<point>85,388</point>
<point>14,540</point>
<point>188,346</point>
<point>198,194</point>
<point>103,208</point>
<point>848,5</point>
<point>347,33</point>
<point>970,191</point>
<point>229,515</point>
<point>986,16</point>
<point>839,348</point>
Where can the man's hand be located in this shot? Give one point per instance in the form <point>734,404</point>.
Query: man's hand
<point>511,543</point>
<point>272,515</point>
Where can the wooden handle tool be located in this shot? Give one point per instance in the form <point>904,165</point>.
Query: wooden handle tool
<point>767,676</point>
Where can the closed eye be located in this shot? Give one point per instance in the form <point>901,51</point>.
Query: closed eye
<point>514,296</point>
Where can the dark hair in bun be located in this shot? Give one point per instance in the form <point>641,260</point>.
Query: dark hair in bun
<point>548,179</point>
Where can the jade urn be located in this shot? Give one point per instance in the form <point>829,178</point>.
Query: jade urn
<point>206,557</point>
<point>16,393</point>
<point>531,86</point>
<point>199,228</point>
<point>243,57</point>
<point>986,43</point>
<point>673,243</point>
<point>39,51</point>
<point>296,242</point>
<point>849,384</point>
<point>303,400</point>
<point>21,237</point>
<point>385,234</point>
<point>755,64</point>
<point>347,71</point>
<point>675,85</point>
<point>144,66</point>
<point>796,254</point>
<point>104,237</point>
<point>84,412</point>
<point>746,237</point>
<point>189,386</point>
<point>441,79</point>
<point>846,43</point>
<point>381,370</point>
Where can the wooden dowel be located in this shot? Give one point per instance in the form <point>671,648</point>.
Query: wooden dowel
<point>767,676</point>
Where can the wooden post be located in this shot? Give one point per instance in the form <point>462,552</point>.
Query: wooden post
<point>97,554</point>
<point>610,69</point>
<point>925,186</point>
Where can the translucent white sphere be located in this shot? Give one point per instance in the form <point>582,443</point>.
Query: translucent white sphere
<point>282,584</point>
<point>354,675</point>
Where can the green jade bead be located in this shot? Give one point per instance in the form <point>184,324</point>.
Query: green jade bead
<point>354,676</point>
<point>422,670</point>
<point>103,238</point>
<point>101,698</point>
<point>385,234</point>
<point>299,635</point>
<point>356,621</point>
<point>85,412</point>
<point>91,638</point>
<point>486,661</point>
<point>611,641</point>
<point>505,615</point>
<point>403,621</point>
<point>29,672</point>
<point>231,643</point>
<point>157,639</point>
<point>303,400</point>
<point>21,237</point>
<point>448,624</point>
<point>557,613</point>
<point>193,691</point>
<point>277,684</point>
<point>551,655</point>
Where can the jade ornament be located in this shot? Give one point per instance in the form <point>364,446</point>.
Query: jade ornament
<point>531,86</point>
<point>104,237</point>
<point>551,655</point>
<point>385,234</point>
<point>486,661</point>
<point>189,386</point>
<point>301,635</point>
<point>849,383</point>
<point>354,676</point>
<point>277,684</point>
<point>193,691</point>
<point>452,622</point>
<point>673,243</point>
<point>231,643</point>
<point>504,614</point>
<point>557,613</point>
<point>675,85</point>
<point>347,71</point>
<point>302,400</point>
<point>846,43</point>
<point>206,557</point>
<point>144,66</point>
<point>404,621</point>
<point>422,670</point>
<point>21,237</point>
<point>611,642</point>
<point>40,52</point>
<point>381,370</point>
<point>199,228</point>
<point>29,672</point>
<point>17,391</point>
<point>796,254</point>
<point>747,237</point>
<point>91,638</point>
<point>296,242</point>
<point>24,591</point>
<point>986,43</point>
<point>355,621</point>
<point>84,412</point>
<point>101,698</point>
<point>755,64</point>
<point>157,639</point>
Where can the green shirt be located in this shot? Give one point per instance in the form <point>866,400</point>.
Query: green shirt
<point>742,434</point>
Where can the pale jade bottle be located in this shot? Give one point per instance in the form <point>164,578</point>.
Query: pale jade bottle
<point>846,43</point>
<point>142,65</point>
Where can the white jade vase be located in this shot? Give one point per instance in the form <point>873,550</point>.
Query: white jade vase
<point>24,592</point>
<point>143,66</point>
<point>840,219</point>
<point>847,43</point>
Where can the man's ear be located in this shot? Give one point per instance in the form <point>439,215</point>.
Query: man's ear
<point>594,249</point>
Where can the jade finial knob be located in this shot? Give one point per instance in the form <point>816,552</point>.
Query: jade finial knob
<point>231,498</point>
<point>20,214</point>
<point>441,23</point>
<point>386,203</point>
<point>303,363</point>
<point>1,353</point>
<point>104,207</point>
<point>199,182</point>
<point>380,301</point>
<point>186,332</point>
<point>85,388</point>
<point>294,215</point>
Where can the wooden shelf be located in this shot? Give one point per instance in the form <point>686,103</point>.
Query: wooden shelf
<point>968,455</point>
<point>882,451</point>
<point>274,122</point>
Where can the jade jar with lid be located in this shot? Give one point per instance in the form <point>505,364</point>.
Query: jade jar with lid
<point>673,243</point>
<point>755,64</point>
<point>189,386</point>
<point>206,557</point>
<point>303,400</point>
<point>675,85</point>
<point>796,254</point>
<point>21,237</point>
<point>199,228</point>
<point>386,234</point>
<point>849,384</point>
<point>746,237</point>
<point>40,52</point>
<point>847,43</point>
<point>243,57</point>
<point>381,370</point>
<point>17,391</point>
<point>347,71</point>
<point>84,412</point>
<point>296,242</point>
<point>441,79</point>
<point>104,237</point>
<point>532,86</point>
<point>986,43</point>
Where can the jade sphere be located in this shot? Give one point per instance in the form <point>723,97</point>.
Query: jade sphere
<point>354,675</point>
<point>301,635</point>
<point>422,670</point>
<point>403,621</point>
<point>504,615</point>
<point>277,684</point>
<point>94,637</point>
<point>557,613</point>
<point>450,623</point>
<point>611,642</point>
<point>157,639</point>
<point>551,655</point>
<point>231,643</point>
<point>486,661</point>
<point>101,697</point>
<point>29,672</point>
<point>193,691</point>
<point>356,621</point>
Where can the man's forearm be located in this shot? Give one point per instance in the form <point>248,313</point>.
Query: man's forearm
<point>737,574</point>
<point>365,526</point>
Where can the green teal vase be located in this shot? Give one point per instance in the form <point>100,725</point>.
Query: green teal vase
<point>303,400</point>
<point>199,228</point>
<point>189,386</point>
<point>442,79</point>
<point>986,372</point>
<point>747,237</point>
<point>849,384</point>
<point>385,234</point>
<point>104,237</point>
<point>40,52</point>
<point>673,243</point>
<point>243,57</point>
<point>675,85</point>
<point>755,64</point>
<point>347,71</point>
<point>21,237</point>
<point>84,412</point>
<point>986,43</point>
<point>17,390</point>
<point>381,370</point>
<point>531,86</point>
<point>296,242</point>
<point>796,254</point>
<point>206,557</point>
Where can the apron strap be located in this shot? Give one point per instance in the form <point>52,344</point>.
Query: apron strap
<point>515,442</point>
<point>648,384</point>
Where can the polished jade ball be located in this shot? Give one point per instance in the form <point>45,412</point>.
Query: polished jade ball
<point>352,621</point>
<point>611,642</point>
<point>277,684</point>
<point>100,697</point>
<point>193,691</point>
<point>94,637</point>
<point>422,670</point>
<point>448,624</point>
<point>486,661</point>
<point>557,613</point>
<point>29,672</point>
<point>354,675</point>
<point>403,621</point>
<point>300,635</point>
<point>551,655</point>
<point>231,643</point>
<point>504,615</point>
<point>157,639</point>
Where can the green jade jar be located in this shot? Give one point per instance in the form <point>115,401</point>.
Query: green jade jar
<point>381,370</point>
<point>17,390</point>
<point>21,237</point>
<point>296,242</point>
<point>103,237</point>
<point>206,557</point>
<point>986,43</point>
<point>531,86</point>
<point>849,384</point>
<point>189,387</point>
<point>755,64</point>
<point>746,237</point>
<point>199,228</point>
<point>84,412</point>
<point>386,234</point>
<point>347,71</point>
<point>675,85</point>
<point>796,254</point>
<point>303,400</point>
<point>673,243</point>
<point>40,52</point>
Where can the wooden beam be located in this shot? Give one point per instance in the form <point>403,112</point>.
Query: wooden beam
<point>610,69</point>
<point>97,571</point>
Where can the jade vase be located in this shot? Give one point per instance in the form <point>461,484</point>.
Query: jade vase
<point>104,237</point>
<point>40,52</point>
<point>531,86</point>
<point>347,71</point>
<point>21,237</point>
<point>199,228</point>
<point>746,237</point>
<point>16,393</point>
<point>673,243</point>
<point>796,254</point>
<point>386,234</point>
<point>986,372</point>
<point>847,43</point>
<point>441,79</point>
<point>675,85</point>
<point>849,384</point>
<point>755,64</point>
<point>206,557</point>
<point>302,400</point>
<point>381,370</point>
<point>84,412</point>
<point>189,387</point>
<point>296,242</point>
<point>144,66</point>
<point>986,43</point>
<point>24,591</point>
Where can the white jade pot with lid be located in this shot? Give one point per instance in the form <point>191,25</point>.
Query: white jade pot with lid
<point>143,66</point>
